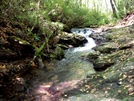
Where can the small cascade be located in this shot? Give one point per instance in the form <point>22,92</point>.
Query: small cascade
<point>84,32</point>
<point>73,65</point>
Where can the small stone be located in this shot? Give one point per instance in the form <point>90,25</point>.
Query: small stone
<point>119,91</point>
<point>131,90</point>
<point>106,92</point>
<point>65,95</point>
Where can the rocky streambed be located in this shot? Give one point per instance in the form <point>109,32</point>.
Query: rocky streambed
<point>105,73</point>
<point>113,61</point>
<point>112,75</point>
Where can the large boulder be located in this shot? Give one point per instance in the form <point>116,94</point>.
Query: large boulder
<point>117,48</point>
<point>71,39</point>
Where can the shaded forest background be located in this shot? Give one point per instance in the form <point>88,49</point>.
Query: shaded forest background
<point>38,22</point>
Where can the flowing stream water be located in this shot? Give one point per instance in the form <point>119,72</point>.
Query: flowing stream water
<point>84,32</point>
<point>74,77</point>
<point>65,74</point>
<point>73,60</point>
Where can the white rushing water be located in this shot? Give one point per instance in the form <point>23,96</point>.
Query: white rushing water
<point>84,32</point>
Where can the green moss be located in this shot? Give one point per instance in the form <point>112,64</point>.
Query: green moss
<point>59,52</point>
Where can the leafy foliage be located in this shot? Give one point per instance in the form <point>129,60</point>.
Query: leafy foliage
<point>73,15</point>
<point>96,18</point>
<point>41,20</point>
<point>124,7</point>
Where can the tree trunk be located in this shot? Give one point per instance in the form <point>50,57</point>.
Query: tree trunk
<point>127,5</point>
<point>114,8</point>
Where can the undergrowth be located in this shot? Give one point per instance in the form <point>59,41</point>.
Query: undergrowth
<point>44,19</point>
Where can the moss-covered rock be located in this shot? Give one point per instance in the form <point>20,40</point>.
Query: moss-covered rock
<point>115,59</point>
<point>107,47</point>
<point>119,47</point>
<point>72,39</point>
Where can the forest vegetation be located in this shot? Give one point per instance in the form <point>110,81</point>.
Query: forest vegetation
<point>30,31</point>
<point>35,18</point>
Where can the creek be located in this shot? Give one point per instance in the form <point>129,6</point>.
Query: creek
<point>74,77</point>
<point>74,62</point>
<point>77,77</point>
<point>66,74</point>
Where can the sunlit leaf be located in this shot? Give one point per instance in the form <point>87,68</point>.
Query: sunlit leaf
<point>104,77</point>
